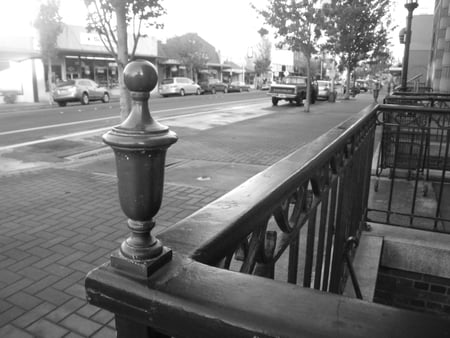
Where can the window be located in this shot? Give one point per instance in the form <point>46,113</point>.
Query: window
<point>167,81</point>
<point>66,83</point>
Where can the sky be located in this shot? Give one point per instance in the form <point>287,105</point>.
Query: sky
<point>230,26</point>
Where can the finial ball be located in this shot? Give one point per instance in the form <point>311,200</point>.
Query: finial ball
<point>140,76</point>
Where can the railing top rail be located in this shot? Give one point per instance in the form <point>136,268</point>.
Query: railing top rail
<point>431,94</point>
<point>419,109</point>
<point>205,301</point>
<point>210,233</point>
<point>415,77</point>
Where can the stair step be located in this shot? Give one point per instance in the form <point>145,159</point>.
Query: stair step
<point>366,264</point>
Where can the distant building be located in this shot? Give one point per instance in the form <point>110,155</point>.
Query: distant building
<point>83,55</point>
<point>21,70</point>
<point>420,48</point>
<point>439,63</point>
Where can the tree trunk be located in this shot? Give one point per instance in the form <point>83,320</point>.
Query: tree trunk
<point>308,87</point>
<point>122,58</point>
<point>49,74</point>
<point>347,84</point>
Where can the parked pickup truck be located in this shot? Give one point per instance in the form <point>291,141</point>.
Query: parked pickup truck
<point>292,89</point>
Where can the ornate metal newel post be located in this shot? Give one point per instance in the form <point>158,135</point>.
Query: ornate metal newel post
<point>140,144</point>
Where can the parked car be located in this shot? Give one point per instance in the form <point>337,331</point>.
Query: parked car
<point>213,85</point>
<point>293,89</point>
<point>82,90</point>
<point>363,85</point>
<point>238,86</point>
<point>266,85</point>
<point>324,89</point>
<point>178,86</point>
<point>354,90</point>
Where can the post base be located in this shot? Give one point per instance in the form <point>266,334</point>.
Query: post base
<point>142,269</point>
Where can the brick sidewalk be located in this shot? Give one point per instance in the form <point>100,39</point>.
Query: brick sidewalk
<point>58,224</point>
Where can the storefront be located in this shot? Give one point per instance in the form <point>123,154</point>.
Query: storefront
<point>83,55</point>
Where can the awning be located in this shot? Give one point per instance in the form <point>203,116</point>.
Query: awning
<point>170,62</point>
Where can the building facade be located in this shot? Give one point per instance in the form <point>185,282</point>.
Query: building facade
<point>420,49</point>
<point>82,55</point>
<point>439,64</point>
<point>21,69</point>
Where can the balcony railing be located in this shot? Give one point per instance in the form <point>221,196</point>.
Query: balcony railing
<point>414,150</point>
<point>436,100</point>
<point>292,224</point>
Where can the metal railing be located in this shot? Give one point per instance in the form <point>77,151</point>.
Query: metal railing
<point>414,152</point>
<point>303,207</point>
<point>436,100</point>
<point>299,216</point>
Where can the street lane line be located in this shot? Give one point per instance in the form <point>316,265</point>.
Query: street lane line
<point>104,129</point>
<point>18,131</point>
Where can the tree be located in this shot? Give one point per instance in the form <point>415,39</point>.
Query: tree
<point>49,25</point>
<point>263,56</point>
<point>297,25</point>
<point>192,51</point>
<point>357,30</point>
<point>111,19</point>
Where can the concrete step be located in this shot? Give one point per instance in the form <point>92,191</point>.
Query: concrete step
<point>366,263</point>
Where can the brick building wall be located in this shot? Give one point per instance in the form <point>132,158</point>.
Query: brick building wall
<point>414,291</point>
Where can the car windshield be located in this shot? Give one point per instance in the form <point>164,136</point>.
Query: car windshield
<point>66,83</point>
<point>323,83</point>
<point>167,81</point>
<point>293,80</point>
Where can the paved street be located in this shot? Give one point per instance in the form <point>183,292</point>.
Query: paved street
<point>61,219</point>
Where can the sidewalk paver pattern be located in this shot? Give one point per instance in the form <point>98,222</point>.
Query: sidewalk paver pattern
<point>56,224</point>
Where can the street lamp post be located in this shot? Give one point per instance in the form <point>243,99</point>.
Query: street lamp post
<point>410,5</point>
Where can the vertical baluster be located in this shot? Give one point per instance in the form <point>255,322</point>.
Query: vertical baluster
<point>343,204</point>
<point>441,185</point>
<point>330,231</point>
<point>293,259</point>
<point>265,266</point>
<point>321,238</point>
<point>310,246</point>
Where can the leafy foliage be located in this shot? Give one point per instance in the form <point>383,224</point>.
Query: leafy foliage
<point>263,57</point>
<point>357,30</point>
<point>111,19</point>
<point>102,18</point>
<point>297,25</point>
<point>49,25</point>
<point>192,51</point>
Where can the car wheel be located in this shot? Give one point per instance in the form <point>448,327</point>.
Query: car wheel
<point>274,101</point>
<point>84,98</point>
<point>213,90</point>
<point>298,102</point>
<point>182,92</point>
<point>105,98</point>
<point>225,90</point>
<point>198,91</point>
<point>62,104</point>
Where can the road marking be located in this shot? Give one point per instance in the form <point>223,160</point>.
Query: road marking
<point>188,118</point>
<point>224,117</point>
<point>18,131</point>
